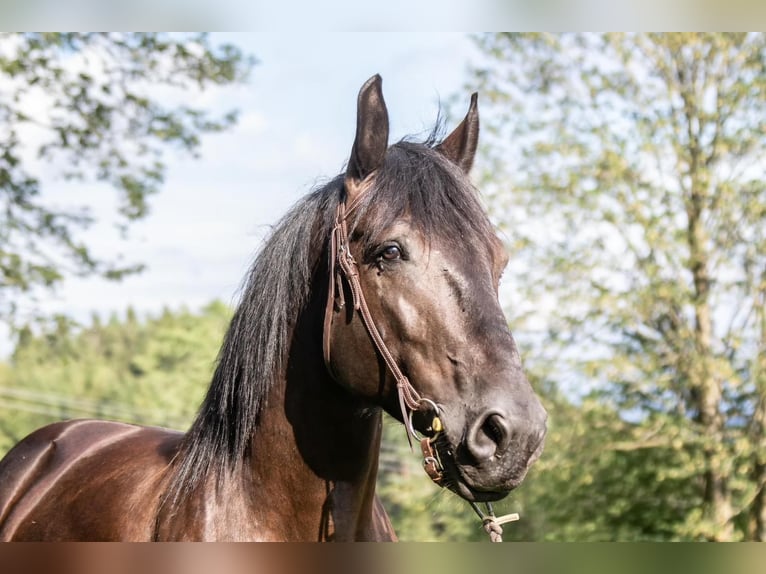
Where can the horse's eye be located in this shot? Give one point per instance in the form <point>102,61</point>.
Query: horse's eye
<point>391,253</point>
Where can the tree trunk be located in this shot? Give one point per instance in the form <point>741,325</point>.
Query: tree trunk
<point>706,386</point>
<point>717,499</point>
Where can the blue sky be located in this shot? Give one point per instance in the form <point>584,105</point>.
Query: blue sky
<point>296,128</point>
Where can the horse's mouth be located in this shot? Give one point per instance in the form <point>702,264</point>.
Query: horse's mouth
<point>462,489</point>
<point>456,480</point>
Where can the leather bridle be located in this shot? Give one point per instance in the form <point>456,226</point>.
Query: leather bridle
<point>342,265</point>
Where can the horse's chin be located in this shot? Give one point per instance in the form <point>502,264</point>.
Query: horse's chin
<point>461,485</point>
<point>466,492</point>
<point>457,479</point>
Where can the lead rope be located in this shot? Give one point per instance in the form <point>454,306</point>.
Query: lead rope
<point>410,401</point>
<point>493,525</point>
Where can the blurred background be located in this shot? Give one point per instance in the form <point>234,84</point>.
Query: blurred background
<point>139,174</point>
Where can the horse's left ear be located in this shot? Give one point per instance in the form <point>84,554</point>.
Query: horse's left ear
<point>460,145</point>
<point>371,141</point>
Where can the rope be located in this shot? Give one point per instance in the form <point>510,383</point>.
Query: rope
<point>493,525</point>
<point>494,530</point>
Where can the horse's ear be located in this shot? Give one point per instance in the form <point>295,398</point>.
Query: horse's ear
<point>460,145</point>
<point>371,140</point>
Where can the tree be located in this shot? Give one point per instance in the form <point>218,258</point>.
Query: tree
<point>599,481</point>
<point>627,171</point>
<point>88,104</point>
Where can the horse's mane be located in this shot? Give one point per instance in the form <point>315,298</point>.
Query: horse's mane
<point>415,180</point>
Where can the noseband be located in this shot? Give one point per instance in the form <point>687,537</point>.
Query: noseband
<point>342,265</point>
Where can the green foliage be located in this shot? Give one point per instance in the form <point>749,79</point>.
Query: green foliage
<point>90,105</point>
<point>152,372</point>
<point>627,173</point>
<point>602,478</point>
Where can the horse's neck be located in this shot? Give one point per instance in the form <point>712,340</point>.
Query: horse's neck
<point>313,462</point>
<point>309,475</point>
<point>310,471</point>
<point>314,457</point>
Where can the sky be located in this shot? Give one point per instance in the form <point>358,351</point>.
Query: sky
<point>297,122</point>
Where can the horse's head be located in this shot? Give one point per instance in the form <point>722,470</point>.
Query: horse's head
<point>429,264</point>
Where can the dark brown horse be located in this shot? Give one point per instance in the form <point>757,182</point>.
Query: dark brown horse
<point>392,270</point>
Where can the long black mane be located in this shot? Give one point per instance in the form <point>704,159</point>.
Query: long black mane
<point>417,181</point>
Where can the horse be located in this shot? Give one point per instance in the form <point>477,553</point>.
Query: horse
<point>378,291</point>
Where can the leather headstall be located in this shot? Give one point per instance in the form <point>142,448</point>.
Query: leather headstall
<point>342,265</point>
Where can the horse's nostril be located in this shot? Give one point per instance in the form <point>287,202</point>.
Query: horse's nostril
<point>488,436</point>
<point>493,428</point>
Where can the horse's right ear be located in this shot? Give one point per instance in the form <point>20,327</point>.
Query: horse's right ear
<point>460,145</point>
<point>371,141</point>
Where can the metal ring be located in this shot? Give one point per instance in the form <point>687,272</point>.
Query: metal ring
<point>411,428</point>
<point>437,408</point>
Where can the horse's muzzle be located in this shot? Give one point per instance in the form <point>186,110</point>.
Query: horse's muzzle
<point>496,450</point>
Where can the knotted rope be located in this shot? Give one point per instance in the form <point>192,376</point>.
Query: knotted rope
<point>493,524</point>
